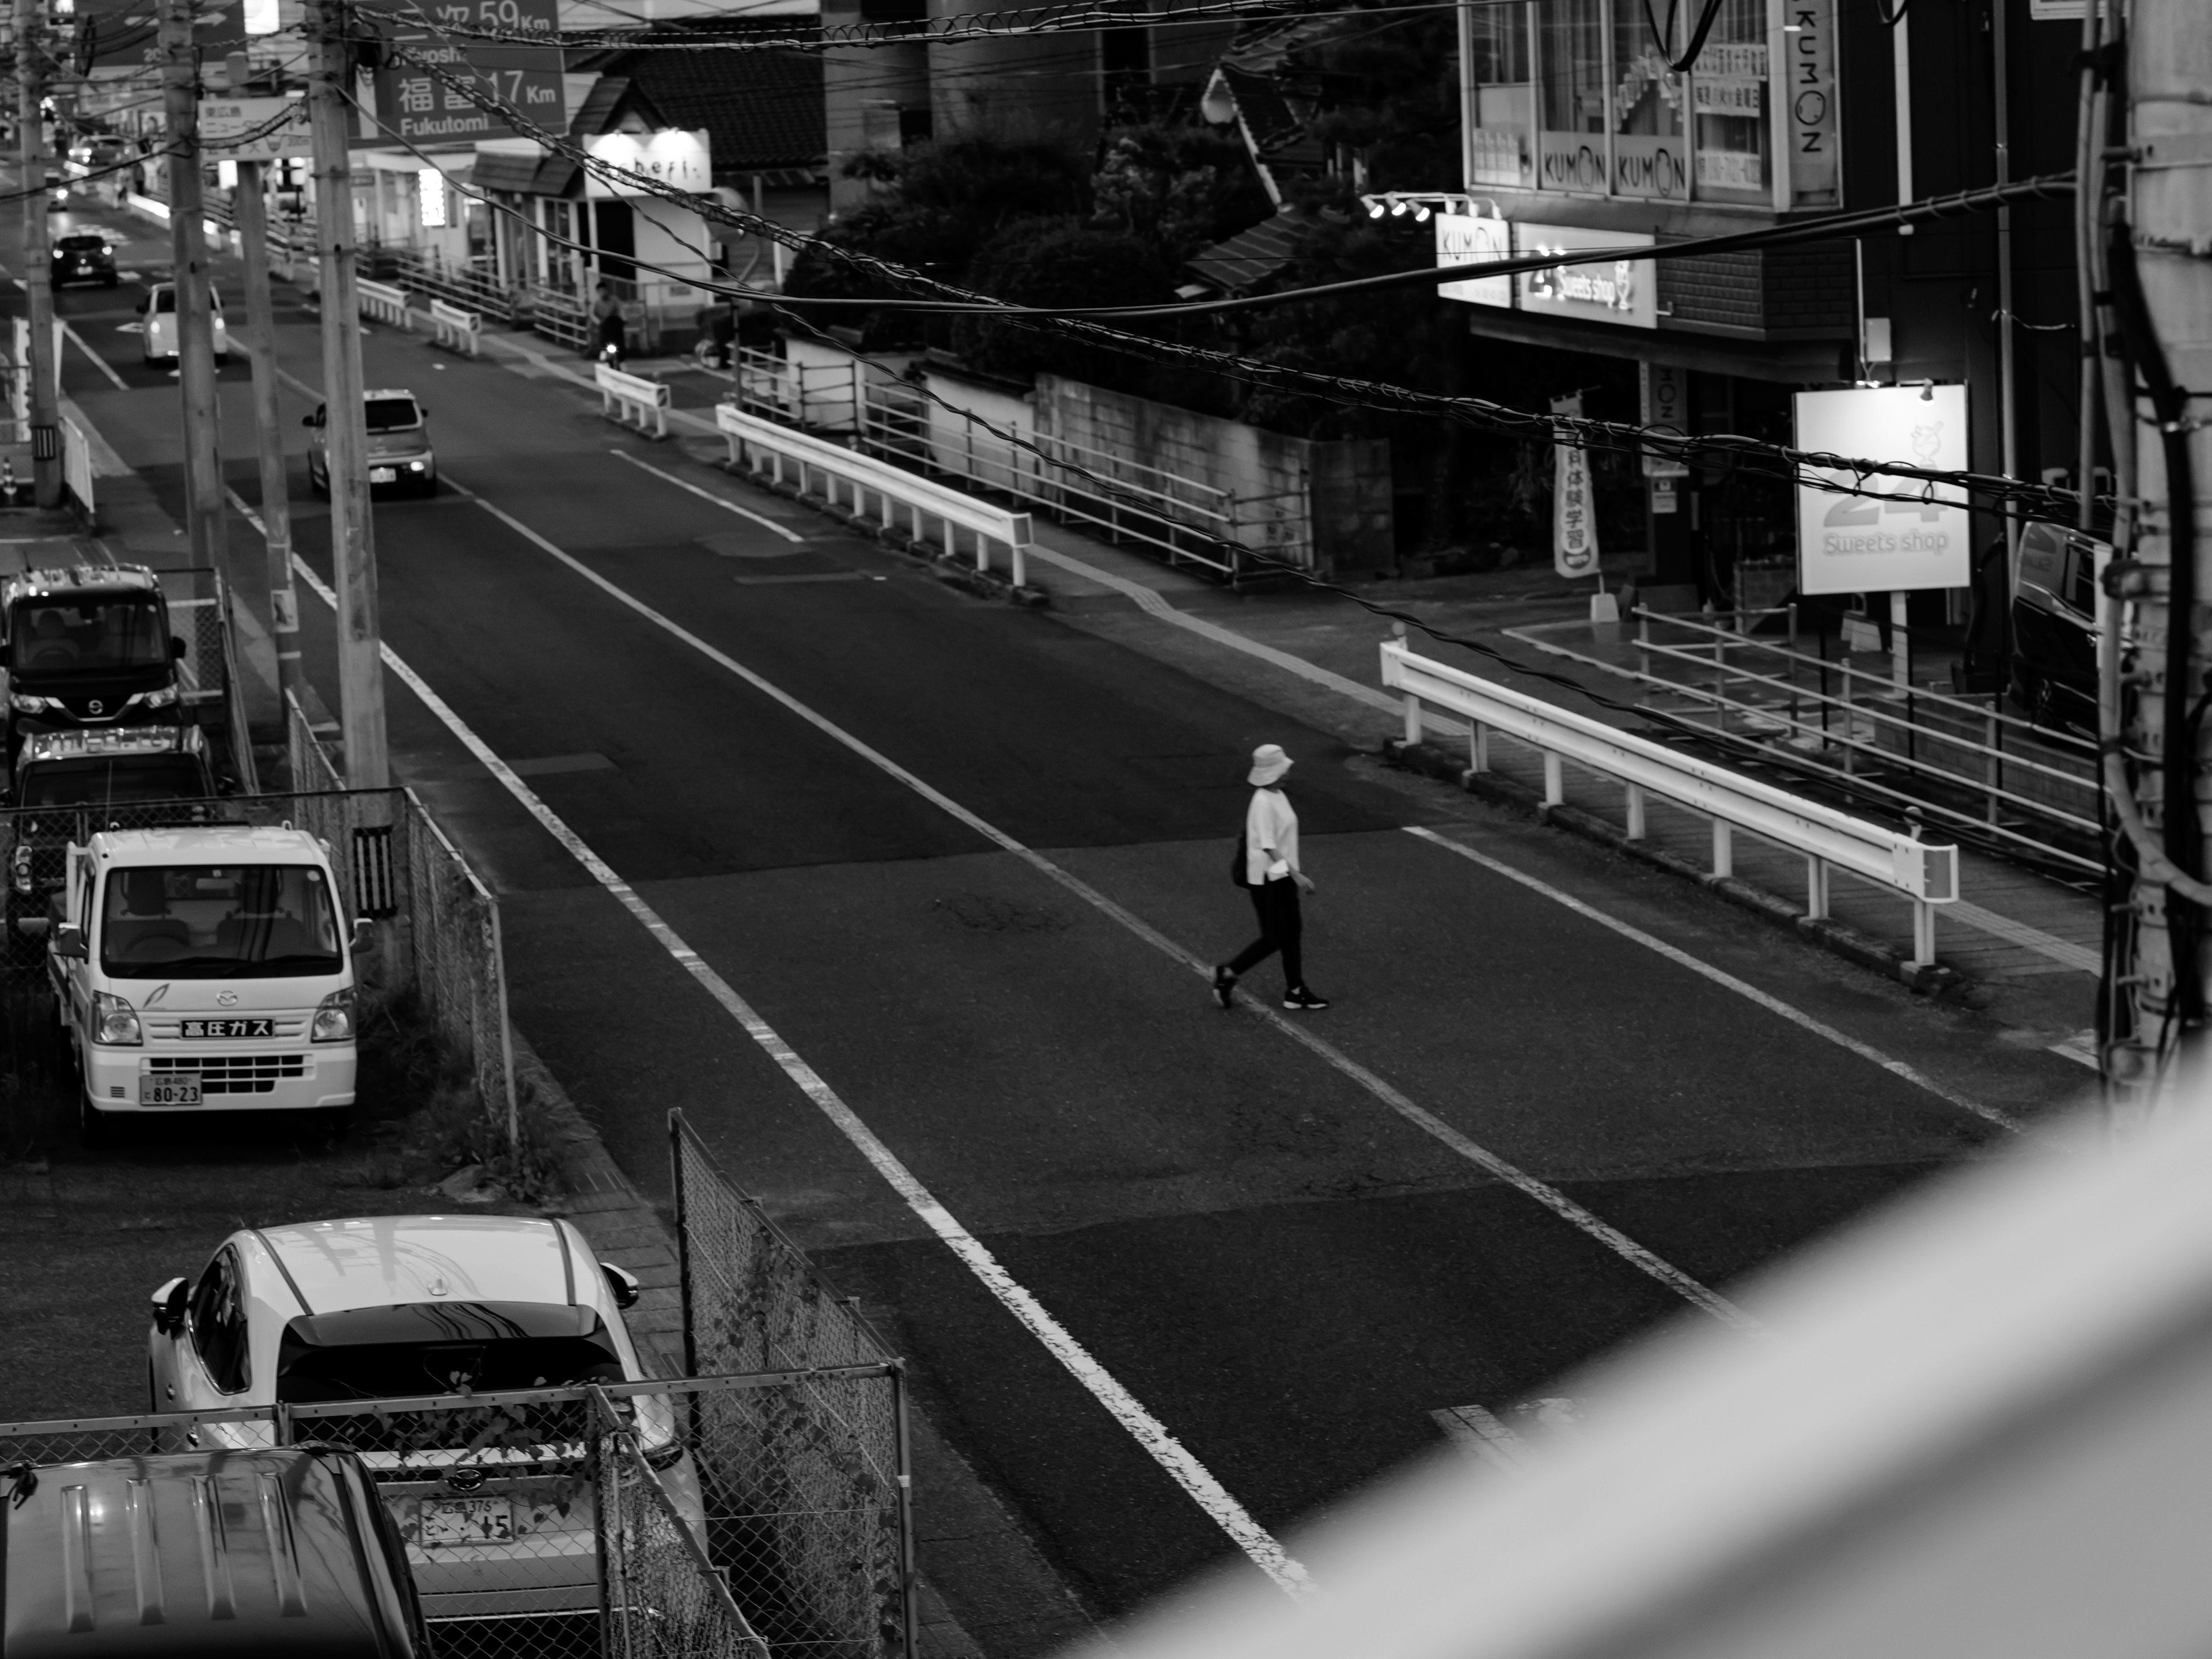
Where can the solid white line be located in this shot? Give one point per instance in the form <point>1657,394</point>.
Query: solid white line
<point>98,361</point>
<point>1773,1004</point>
<point>1482,1435</point>
<point>1550,1197</point>
<point>1148,1430</point>
<point>708,495</point>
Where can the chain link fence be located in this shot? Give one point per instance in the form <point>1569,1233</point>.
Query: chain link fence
<point>812,1502</point>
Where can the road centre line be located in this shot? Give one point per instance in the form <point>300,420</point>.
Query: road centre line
<point>1773,1004</point>
<point>1149,1431</point>
<point>98,361</point>
<point>1550,1197</point>
<point>708,495</point>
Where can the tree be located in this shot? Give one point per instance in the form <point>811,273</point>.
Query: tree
<point>1060,262</point>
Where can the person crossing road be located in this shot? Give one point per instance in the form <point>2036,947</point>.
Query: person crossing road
<point>1271,873</point>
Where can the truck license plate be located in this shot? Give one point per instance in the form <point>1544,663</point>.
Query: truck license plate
<point>468,1521</point>
<point>169,1089</point>
<point>383,474</point>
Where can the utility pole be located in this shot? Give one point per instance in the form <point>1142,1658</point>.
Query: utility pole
<point>345,435</point>
<point>44,403</point>
<point>206,516</point>
<point>2160,297</point>
<point>268,430</point>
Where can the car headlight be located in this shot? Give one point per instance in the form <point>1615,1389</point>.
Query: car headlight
<point>333,1021</point>
<point>19,865</point>
<point>414,466</point>
<point>114,1022</point>
<point>24,703</point>
<point>160,697</point>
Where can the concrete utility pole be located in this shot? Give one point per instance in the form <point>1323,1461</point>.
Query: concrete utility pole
<point>345,436</point>
<point>206,516</point>
<point>45,400</point>
<point>2169,339</point>
<point>268,426</point>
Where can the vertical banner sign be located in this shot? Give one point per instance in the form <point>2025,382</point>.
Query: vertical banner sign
<point>1809,92</point>
<point>1859,543</point>
<point>417,106</point>
<point>1666,404</point>
<point>1574,509</point>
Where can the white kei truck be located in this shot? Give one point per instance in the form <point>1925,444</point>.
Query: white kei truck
<point>205,969</point>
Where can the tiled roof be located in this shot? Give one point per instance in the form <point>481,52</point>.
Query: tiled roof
<point>1251,258</point>
<point>761,110</point>
<point>529,175</point>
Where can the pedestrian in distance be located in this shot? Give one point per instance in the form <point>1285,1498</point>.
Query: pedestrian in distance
<point>1267,866</point>
<point>613,332</point>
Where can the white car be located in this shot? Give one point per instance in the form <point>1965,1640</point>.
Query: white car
<point>158,340</point>
<point>386,1307</point>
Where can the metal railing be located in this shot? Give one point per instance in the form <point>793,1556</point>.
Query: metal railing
<point>471,287</point>
<point>1827,839</point>
<point>559,316</point>
<point>830,1493</point>
<point>632,400</point>
<point>1969,765</point>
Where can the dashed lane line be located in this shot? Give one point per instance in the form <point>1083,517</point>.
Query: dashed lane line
<point>1772,1004</point>
<point>1149,1431</point>
<point>1544,1193</point>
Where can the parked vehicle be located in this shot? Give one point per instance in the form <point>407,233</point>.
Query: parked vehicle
<point>86,646</point>
<point>205,969</point>
<point>400,453</point>
<point>196,1554</point>
<point>491,1502</point>
<point>69,784</point>
<point>2056,625</point>
<point>158,340</point>
<point>83,256</point>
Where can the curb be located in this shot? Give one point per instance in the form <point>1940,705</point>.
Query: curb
<point>1837,938</point>
<point>984,584</point>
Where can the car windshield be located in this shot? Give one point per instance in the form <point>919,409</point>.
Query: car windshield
<point>392,414</point>
<point>102,780</point>
<point>460,1347</point>
<point>82,244</point>
<point>86,635</point>
<point>205,921</point>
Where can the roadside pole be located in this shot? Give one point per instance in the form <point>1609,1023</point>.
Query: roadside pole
<point>346,435</point>
<point>206,521</point>
<point>2169,339</point>
<point>44,403</point>
<point>268,430</point>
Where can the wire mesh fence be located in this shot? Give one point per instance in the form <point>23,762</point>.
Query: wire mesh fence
<point>810,1498</point>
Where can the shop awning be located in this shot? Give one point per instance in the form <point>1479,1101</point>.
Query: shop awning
<point>533,174</point>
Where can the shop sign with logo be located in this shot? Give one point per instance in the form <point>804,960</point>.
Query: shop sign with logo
<point>1572,160</point>
<point>1574,504</point>
<point>1463,238</point>
<point>1853,543</point>
<point>254,129</point>
<point>1646,165</point>
<point>1810,98</point>
<point>1666,388</point>
<point>1612,291</point>
<point>675,159</point>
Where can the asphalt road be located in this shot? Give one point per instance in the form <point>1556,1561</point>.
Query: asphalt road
<point>1263,1243</point>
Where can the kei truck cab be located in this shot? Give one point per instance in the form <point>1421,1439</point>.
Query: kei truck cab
<point>205,969</point>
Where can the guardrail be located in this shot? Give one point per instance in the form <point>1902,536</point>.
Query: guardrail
<point>77,468</point>
<point>385,303</point>
<point>621,393</point>
<point>1923,874</point>
<point>455,329</point>
<point>754,442</point>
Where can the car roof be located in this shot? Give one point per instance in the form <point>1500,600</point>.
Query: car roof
<point>218,843</point>
<point>57,579</point>
<point>387,392</point>
<point>383,1261</point>
<point>233,1552</point>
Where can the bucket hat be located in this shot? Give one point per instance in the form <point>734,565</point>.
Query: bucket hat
<point>1269,762</point>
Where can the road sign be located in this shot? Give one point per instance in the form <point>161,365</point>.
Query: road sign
<point>253,129</point>
<point>419,107</point>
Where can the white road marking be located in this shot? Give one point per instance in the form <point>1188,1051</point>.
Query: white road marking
<point>1773,1004</point>
<point>1148,1430</point>
<point>1550,1197</point>
<point>708,495</point>
<point>2081,1049</point>
<point>1482,1435</point>
<point>98,361</point>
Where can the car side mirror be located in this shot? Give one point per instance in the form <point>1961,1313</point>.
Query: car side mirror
<point>168,1300</point>
<point>623,1283</point>
<point>69,941</point>
<point>176,648</point>
<point>364,933</point>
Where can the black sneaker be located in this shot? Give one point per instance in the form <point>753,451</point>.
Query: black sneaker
<point>1224,983</point>
<point>1302,998</point>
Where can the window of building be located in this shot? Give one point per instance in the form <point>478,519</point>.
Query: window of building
<point>1570,71</point>
<point>1502,104</point>
<point>1730,95</point>
<point>1649,156</point>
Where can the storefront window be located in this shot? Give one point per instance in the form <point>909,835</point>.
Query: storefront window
<point>1572,94</point>
<point>1502,108</point>
<point>1649,156</point>
<point>1729,93</point>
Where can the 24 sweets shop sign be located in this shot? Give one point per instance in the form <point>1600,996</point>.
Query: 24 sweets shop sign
<point>1850,544</point>
<point>424,106</point>
<point>1621,291</point>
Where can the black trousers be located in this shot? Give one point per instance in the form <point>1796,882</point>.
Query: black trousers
<point>1276,904</point>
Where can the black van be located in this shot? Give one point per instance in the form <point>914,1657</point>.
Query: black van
<point>258,1554</point>
<point>2054,626</point>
